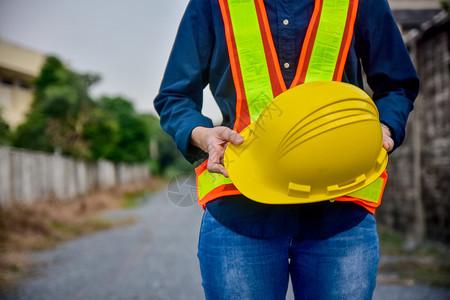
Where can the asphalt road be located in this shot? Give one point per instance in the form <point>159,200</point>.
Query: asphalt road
<point>154,258</point>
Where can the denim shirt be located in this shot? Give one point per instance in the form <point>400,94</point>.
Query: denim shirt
<point>200,57</point>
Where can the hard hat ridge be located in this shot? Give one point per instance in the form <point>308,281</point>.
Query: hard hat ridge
<point>317,123</point>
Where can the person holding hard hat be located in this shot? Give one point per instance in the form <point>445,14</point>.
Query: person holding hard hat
<point>291,179</point>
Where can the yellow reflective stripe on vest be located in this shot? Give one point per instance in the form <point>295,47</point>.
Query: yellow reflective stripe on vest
<point>371,192</point>
<point>208,181</point>
<point>328,41</point>
<point>255,75</point>
<point>252,58</point>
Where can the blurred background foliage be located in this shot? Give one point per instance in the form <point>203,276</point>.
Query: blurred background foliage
<point>64,118</point>
<point>4,131</point>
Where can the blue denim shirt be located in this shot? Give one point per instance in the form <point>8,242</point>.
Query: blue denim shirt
<point>200,57</point>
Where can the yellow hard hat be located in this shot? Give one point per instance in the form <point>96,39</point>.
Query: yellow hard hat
<point>314,142</point>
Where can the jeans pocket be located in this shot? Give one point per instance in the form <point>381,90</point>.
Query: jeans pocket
<point>209,224</point>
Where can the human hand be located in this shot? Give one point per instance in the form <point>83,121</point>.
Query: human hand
<point>388,142</point>
<point>214,141</point>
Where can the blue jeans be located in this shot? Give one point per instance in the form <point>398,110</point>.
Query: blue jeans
<point>235,266</point>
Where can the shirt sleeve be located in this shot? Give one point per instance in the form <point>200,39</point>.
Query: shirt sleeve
<point>180,99</point>
<point>387,64</point>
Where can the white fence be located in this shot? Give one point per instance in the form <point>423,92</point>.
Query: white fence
<point>29,176</point>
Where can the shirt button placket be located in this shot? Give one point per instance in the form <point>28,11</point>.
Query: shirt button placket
<point>286,55</point>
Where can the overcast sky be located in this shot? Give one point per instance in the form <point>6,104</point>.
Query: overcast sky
<point>126,41</point>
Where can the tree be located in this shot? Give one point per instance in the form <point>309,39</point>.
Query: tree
<point>165,158</point>
<point>101,133</point>
<point>64,117</point>
<point>133,137</point>
<point>4,131</point>
<point>32,134</point>
<point>60,110</point>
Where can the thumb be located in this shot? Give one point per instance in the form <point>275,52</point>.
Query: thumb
<point>232,136</point>
<point>388,144</point>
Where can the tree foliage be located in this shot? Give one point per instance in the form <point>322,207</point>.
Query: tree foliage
<point>60,109</point>
<point>101,132</point>
<point>4,131</point>
<point>132,143</point>
<point>165,159</point>
<point>65,118</point>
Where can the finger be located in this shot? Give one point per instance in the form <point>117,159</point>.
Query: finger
<point>388,146</point>
<point>217,168</point>
<point>214,155</point>
<point>232,136</point>
<point>215,161</point>
<point>388,143</point>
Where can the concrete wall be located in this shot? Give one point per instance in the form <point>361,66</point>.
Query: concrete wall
<point>417,198</point>
<point>28,176</point>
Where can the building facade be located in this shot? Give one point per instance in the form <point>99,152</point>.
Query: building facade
<point>18,68</point>
<point>410,14</point>
<point>417,194</point>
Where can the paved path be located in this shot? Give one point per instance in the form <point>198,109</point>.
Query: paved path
<point>155,258</point>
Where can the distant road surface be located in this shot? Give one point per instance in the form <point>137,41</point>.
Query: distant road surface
<point>154,258</point>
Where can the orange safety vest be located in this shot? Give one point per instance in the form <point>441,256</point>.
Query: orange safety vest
<point>258,80</point>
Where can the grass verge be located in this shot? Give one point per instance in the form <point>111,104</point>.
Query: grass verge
<point>25,228</point>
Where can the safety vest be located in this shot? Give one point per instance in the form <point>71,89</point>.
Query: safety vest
<point>258,80</point>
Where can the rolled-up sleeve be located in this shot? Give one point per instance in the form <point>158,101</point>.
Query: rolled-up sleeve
<point>387,64</point>
<point>180,99</point>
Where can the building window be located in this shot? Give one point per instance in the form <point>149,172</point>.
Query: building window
<point>7,81</point>
<point>24,84</point>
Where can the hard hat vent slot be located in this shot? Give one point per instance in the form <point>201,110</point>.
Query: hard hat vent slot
<point>359,181</point>
<point>381,159</point>
<point>298,190</point>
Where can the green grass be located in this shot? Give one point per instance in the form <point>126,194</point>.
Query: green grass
<point>135,199</point>
<point>66,228</point>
